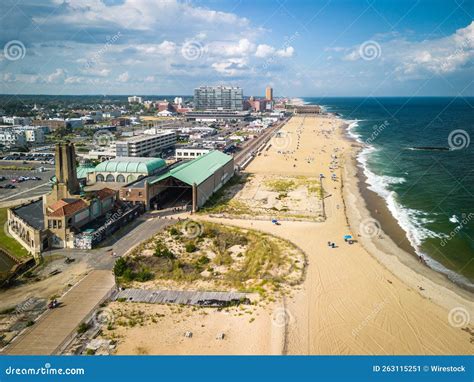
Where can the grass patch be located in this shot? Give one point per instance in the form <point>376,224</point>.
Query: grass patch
<point>9,244</point>
<point>231,257</point>
<point>281,185</point>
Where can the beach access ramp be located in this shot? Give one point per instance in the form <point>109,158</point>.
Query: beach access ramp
<point>197,298</point>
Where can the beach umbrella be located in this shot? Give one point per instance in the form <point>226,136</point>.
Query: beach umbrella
<point>347,237</point>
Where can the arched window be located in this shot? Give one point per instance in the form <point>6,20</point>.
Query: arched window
<point>99,178</point>
<point>130,178</point>
<point>120,178</point>
<point>110,178</point>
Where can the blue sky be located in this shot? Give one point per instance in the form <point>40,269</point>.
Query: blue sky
<point>301,48</point>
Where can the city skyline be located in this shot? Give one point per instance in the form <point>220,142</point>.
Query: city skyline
<point>304,48</point>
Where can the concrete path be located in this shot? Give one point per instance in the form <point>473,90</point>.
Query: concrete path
<point>55,326</point>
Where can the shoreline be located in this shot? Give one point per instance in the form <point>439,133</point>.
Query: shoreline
<point>394,242</point>
<point>377,209</point>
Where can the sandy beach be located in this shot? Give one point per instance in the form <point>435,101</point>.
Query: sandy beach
<point>370,297</point>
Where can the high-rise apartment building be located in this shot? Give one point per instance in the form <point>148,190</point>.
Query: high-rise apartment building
<point>269,93</point>
<point>218,97</point>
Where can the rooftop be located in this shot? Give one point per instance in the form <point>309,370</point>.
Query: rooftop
<point>131,165</point>
<point>197,170</point>
<point>32,213</point>
<point>144,137</point>
<point>66,207</point>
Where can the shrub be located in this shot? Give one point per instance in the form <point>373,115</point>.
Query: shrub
<point>144,275</point>
<point>120,267</point>
<point>82,328</point>
<point>174,231</point>
<point>203,260</point>
<point>162,251</point>
<point>190,247</point>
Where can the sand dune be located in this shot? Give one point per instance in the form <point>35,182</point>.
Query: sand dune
<point>352,301</point>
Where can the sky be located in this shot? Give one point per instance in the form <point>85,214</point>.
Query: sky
<point>318,48</point>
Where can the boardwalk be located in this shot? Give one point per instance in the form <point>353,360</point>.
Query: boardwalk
<point>55,327</point>
<point>183,297</point>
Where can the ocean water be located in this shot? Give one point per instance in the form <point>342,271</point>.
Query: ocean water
<point>419,156</point>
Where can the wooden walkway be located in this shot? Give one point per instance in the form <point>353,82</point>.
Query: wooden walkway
<point>215,299</point>
<point>53,329</point>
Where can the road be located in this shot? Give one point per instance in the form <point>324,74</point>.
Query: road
<point>56,326</point>
<point>253,145</point>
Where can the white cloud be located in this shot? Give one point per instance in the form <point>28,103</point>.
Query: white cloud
<point>57,76</point>
<point>241,48</point>
<point>231,66</point>
<point>264,50</point>
<point>412,59</point>
<point>124,77</point>
<point>285,52</point>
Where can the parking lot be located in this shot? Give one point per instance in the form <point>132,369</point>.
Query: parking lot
<point>20,179</point>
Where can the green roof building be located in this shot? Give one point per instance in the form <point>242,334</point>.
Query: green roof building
<point>186,184</point>
<point>126,169</point>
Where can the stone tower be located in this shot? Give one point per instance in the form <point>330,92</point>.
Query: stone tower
<point>67,185</point>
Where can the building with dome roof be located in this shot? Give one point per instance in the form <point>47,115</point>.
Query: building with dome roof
<point>69,216</point>
<point>125,169</point>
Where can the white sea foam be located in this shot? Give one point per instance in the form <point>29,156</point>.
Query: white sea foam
<point>412,221</point>
<point>454,219</point>
<point>353,124</point>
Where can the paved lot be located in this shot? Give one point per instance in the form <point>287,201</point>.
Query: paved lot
<point>49,332</point>
<point>29,188</point>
